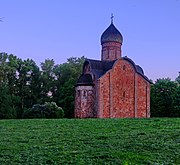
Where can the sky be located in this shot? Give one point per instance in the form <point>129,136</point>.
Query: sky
<point>60,29</point>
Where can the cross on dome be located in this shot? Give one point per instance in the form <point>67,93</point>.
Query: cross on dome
<point>112,16</point>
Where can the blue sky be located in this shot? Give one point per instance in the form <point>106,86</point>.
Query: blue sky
<point>59,29</point>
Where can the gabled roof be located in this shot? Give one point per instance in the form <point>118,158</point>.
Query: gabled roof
<point>99,68</point>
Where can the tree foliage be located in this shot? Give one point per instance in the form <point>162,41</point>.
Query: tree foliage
<point>47,110</point>
<point>165,98</point>
<point>66,77</point>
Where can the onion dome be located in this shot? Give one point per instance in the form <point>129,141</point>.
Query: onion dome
<point>111,34</point>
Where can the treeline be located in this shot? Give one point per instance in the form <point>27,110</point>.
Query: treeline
<point>47,91</point>
<point>26,88</point>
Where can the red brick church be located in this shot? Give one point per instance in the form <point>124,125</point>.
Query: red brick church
<point>113,87</point>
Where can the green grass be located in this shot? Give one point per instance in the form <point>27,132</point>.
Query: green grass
<point>90,141</point>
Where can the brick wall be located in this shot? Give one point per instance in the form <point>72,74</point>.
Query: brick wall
<point>143,100</point>
<point>84,102</point>
<point>104,96</point>
<point>123,93</point>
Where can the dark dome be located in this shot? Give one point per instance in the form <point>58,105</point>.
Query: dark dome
<point>111,34</point>
<point>139,69</point>
<point>85,79</point>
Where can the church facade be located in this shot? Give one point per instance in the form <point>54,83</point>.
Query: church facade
<point>113,87</point>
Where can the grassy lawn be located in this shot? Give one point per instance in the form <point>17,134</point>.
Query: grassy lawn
<point>90,141</point>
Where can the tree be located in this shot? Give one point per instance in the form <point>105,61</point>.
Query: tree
<point>67,75</point>
<point>27,84</point>
<point>47,79</point>
<point>7,104</point>
<point>178,79</point>
<point>176,101</point>
<point>19,83</point>
<point>8,100</point>
<point>162,98</point>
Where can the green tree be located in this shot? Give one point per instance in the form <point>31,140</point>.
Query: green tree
<point>7,103</point>
<point>178,79</point>
<point>162,97</point>
<point>8,99</point>
<point>19,83</point>
<point>176,101</point>
<point>67,75</point>
<point>47,79</point>
<point>27,83</point>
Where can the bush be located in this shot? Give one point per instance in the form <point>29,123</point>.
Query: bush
<point>47,110</point>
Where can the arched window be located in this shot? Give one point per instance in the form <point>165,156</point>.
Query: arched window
<point>124,95</point>
<point>79,93</point>
<point>84,94</point>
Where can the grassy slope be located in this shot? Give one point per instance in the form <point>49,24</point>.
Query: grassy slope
<point>90,141</point>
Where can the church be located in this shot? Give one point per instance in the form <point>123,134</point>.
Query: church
<point>113,87</point>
